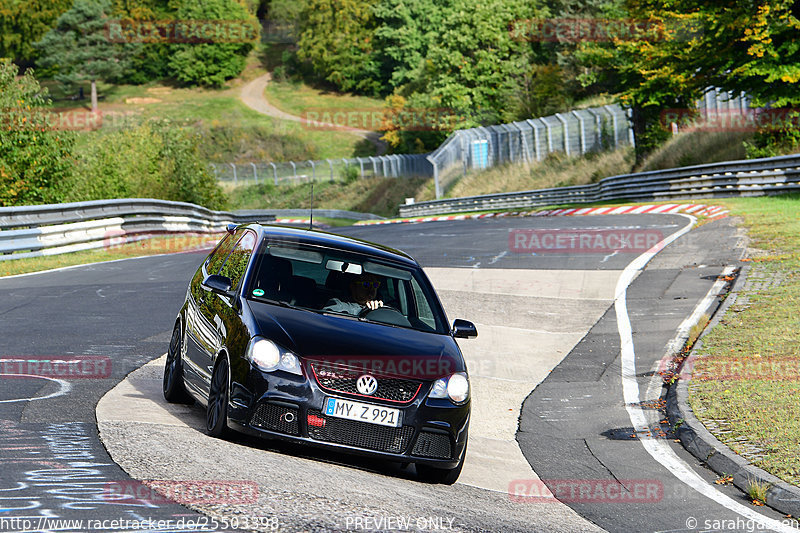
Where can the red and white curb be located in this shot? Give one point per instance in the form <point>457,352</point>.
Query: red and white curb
<point>708,211</point>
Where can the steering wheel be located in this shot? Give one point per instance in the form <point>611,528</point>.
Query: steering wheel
<point>366,311</point>
<point>385,314</point>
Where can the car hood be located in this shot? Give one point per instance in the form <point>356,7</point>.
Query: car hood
<point>352,342</point>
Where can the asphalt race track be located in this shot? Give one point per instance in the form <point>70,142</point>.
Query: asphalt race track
<point>547,321</point>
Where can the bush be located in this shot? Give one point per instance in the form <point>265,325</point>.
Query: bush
<point>774,140</point>
<point>212,63</point>
<point>230,142</point>
<point>350,173</point>
<point>151,160</point>
<point>34,158</point>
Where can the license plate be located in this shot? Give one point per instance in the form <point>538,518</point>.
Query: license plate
<point>363,412</point>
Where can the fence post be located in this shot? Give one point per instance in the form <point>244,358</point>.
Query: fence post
<point>536,152</point>
<point>361,164</point>
<point>435,177</point>
<point>526,155</point>
<point>565,125</point>
<point>294,169</point>
<point>274,172</point>
<point>330,163</point>
<point>234,172</point>
<point>631,137</point>
<point>549,129</point>
<point>313,171</point>
<point>583,131</point>
<point>255,173</point>
<point>598,144</point>
<point>610,111</point>
<point>216,176</point>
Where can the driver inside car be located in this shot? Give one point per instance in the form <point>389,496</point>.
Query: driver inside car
<point>363,290</point>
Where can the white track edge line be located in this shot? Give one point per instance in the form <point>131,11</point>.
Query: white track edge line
<point>659,449</point>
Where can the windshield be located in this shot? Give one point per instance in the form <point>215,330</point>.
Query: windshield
<point>338,282</point>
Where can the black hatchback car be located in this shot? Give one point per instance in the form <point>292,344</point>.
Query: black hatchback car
<point>323,340</point>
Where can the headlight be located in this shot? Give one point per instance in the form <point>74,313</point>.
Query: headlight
<point>455,387</point>
<point>267,356</point>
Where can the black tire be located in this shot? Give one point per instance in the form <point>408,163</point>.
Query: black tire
<point>443,476</point>
<point>217,411</point>
<point>173,387</point>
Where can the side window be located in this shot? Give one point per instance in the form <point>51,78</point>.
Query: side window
<point>218,256</point>
<point>424,311</point>
<point>236,263</point>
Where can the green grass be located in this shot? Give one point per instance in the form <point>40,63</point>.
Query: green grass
<point>380,196</point>
<point>298,98</point>
<point>259,137</point>
<point>697,148</point>
<point>749,376</point>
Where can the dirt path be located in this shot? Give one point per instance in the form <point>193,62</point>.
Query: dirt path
<point>252,94</point>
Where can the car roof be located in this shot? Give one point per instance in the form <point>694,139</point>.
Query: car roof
<point>332,240</point>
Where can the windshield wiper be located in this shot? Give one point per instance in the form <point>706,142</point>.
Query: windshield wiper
<point>280,303</point>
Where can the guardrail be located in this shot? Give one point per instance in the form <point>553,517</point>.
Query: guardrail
<point>31,231</point>
<point>755,177</point>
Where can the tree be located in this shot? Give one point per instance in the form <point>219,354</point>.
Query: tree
<point>337,39</point>
<point>79,49</point>
<point>405,32</point>
<point>34,159</point>
<point>471,66</point>
<point>24,22</point>
<point>687,46</point>
<point>213,52</point>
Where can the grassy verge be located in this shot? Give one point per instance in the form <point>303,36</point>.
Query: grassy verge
<point>381,196</point>
<point>747,387</point>
<point>697,148</point>
<point>556,170</point>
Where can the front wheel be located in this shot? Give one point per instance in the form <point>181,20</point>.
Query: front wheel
<point>444,476</point>
<point>217,411</point>
<point>172,386</point>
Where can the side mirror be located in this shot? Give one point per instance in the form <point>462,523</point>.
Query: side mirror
<point>463,329</point>
<point>218,284</point>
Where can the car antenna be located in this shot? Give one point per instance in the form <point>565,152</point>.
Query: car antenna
<point>311,211</point>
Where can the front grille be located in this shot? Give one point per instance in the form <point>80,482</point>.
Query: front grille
<point>359,434</point>
<point>434,445</point>
<point>343,379</point>
<point>276,418</point>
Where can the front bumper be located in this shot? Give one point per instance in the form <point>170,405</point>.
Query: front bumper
<point>289,407</point>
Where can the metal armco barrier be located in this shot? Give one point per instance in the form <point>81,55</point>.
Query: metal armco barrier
<point>31,231</point>
<point>755,177</point>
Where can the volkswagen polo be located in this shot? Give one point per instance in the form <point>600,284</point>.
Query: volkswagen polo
<point>327,341</point>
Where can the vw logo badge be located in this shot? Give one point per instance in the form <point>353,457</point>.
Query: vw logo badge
<point>367,385</point>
